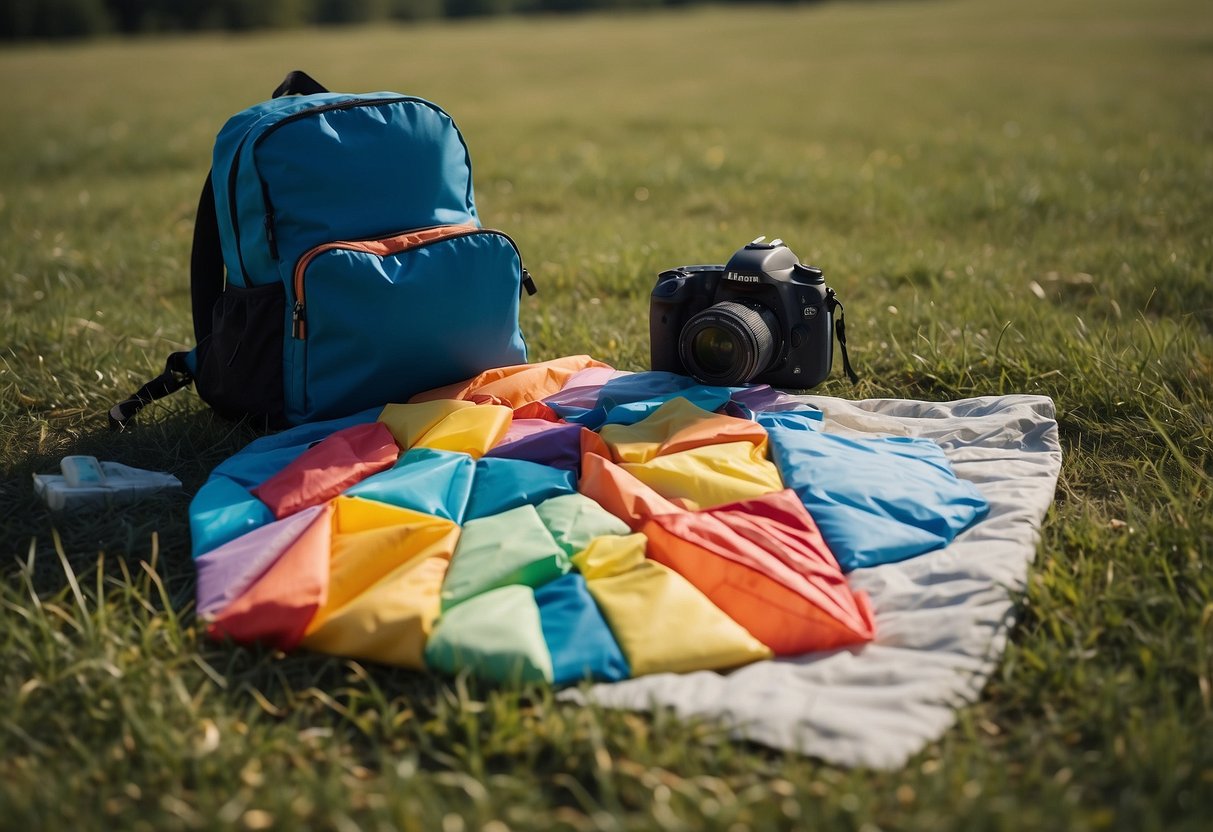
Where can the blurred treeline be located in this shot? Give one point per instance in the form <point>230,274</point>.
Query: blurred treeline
<point>42,19</point>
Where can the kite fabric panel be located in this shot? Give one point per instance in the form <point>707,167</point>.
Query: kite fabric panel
<point>566,523</point>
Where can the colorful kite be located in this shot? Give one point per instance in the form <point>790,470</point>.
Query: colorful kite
<point>564,522</point>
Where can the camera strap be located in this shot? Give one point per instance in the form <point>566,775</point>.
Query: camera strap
<point>841,331</point>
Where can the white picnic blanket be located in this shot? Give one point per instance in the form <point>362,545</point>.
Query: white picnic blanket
<point>942,619</point>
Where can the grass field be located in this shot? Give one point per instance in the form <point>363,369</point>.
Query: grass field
<point>1010,197</point>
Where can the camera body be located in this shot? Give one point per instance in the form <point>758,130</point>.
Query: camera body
<point>764,317</point>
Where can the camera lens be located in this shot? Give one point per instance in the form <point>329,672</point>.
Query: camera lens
<point>728,343</point>
<point>714,350</point>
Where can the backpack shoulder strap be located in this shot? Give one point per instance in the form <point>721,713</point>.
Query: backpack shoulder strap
<point>206,285</point>
<point>206,263</point>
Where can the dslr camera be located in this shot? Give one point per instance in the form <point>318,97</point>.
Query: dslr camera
<point>764,317</point>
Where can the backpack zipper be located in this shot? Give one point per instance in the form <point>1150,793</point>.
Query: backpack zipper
<point>384,247</point>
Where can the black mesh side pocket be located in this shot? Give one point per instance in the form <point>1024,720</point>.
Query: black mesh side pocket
<point>240,363</point>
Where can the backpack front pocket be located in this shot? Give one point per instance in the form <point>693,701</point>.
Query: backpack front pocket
<point>377,321</point>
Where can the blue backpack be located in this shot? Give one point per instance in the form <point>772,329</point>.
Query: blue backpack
<point>338,262</point>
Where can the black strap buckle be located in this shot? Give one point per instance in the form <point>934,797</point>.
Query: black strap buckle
<point>528,282</point>
<point>175,376</point>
